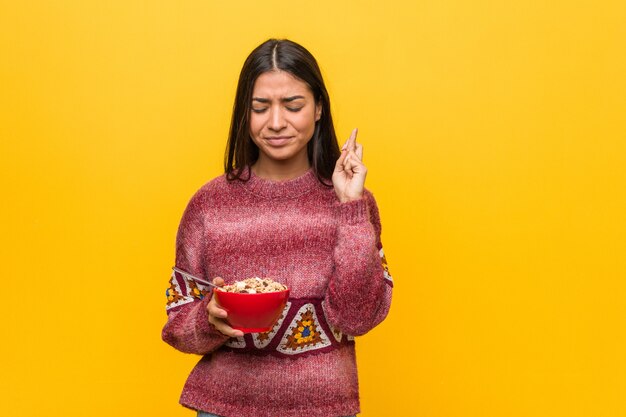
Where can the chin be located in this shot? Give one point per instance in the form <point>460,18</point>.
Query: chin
<point>280,155</point>
<point>280,158</point>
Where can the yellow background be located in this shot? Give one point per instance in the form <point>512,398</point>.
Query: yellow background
<point>494,134</point>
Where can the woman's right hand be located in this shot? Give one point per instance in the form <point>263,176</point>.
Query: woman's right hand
<point>217,315</point>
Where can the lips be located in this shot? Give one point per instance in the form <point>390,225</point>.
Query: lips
<point>278,140</point>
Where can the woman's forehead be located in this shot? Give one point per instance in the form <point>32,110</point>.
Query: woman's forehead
<point>280,84</point>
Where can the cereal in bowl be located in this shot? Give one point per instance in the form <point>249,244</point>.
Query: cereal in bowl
<point>254,286</point>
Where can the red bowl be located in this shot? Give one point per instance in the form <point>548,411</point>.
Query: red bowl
<point>252,313</point>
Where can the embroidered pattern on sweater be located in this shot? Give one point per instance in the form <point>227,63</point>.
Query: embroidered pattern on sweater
<point>336,333</point>
<point>383,261</point>
<point>197,292</point>
<point>301,329</point>
<point>183,290</point>
<point>177,292</point>
<point>261,340</point>
<point>236,342</point>
<point>304,333</point>
<point>172,293</point>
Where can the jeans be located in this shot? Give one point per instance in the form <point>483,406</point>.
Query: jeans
<point>203,414</point>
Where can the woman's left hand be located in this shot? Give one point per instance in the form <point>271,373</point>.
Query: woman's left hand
<point>349,174</point>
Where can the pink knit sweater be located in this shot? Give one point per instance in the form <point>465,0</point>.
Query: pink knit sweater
<point>330,256</point>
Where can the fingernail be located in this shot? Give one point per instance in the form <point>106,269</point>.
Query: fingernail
<point>345,145</point>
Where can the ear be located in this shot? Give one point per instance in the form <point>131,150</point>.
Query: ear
<point>318,111</point>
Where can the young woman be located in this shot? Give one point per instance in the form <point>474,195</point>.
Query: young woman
<point>291,206</point>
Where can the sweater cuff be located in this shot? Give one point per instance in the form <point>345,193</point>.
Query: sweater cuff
<point>353,212</point>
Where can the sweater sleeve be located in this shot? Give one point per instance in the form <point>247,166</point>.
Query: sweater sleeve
<point>359,294</point>
<point>188,328</point>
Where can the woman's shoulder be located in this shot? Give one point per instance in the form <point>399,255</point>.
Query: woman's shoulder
<point>217,184</point>
<point>211,190</point>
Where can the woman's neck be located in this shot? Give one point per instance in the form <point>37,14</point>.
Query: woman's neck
<point>278,170</point>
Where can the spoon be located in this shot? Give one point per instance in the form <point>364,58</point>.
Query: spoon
<point>201,281</point>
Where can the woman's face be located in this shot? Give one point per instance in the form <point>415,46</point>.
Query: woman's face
<point>282,120</point>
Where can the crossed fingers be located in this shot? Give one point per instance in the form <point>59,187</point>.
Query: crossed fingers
<point>351,156</point>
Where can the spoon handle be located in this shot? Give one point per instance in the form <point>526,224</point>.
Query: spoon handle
<point>201,281</point>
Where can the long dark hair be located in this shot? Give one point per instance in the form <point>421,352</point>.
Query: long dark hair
<point>280,54</point>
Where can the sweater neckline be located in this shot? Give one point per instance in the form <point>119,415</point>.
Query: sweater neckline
<point>273,189</point>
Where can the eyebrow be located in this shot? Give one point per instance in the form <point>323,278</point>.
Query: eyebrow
<point>284,100</point>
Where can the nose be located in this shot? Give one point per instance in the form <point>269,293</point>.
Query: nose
<point>277,120</point>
